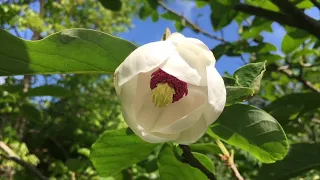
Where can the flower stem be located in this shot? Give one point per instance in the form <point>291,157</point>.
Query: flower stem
<point>229,159</point>
<point>194,162</point>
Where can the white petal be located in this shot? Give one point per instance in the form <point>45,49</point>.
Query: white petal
<point>182,114</point>
<point>144,59</point>
<point>191,51</point>
<point>176,38</point>
<point>139,131</point>
<point>149,114</point>
<point>179,68</point>
<point>199,43</point>
<point>216,95</point>
<point>194,133</point>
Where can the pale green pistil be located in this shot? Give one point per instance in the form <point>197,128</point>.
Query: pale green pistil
<point>162,95</point>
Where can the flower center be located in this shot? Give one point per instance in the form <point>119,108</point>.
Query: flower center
<point>166,89</point>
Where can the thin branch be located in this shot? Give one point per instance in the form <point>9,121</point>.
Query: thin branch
<point>285,70</point>
<point>312,26</point>
<point>16,32</point>
<point>229,159</point>
<point>193,26</point>
<point>14,157</point>
<point>291,10</point>
<point>316,3</point>
<point>190,159</point>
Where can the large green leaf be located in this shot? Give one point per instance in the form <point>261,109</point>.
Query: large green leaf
<point>118,150</point>
<point>170,168</point>
<point>302,158</point>
<point>68,51</point>
<point>48,90</point>
<point>250,75</point>
<point>251,129</point>
<point>290,106</point>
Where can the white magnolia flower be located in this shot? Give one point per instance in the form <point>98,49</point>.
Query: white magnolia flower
<point>170,90</point>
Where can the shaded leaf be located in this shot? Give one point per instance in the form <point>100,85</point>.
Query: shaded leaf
<point>170,168</point>
<point>238,94</point>
<point>68,51</point>
<point>302,158</point>
<point>229,81</point>
<point>205,148</point>
<point>114,5</point>
<point>48,90</point>
<point>30,112</point>
<point>290,106</point>
<point>222,13</point>
<point>118,150</point>
<point>253,130</point>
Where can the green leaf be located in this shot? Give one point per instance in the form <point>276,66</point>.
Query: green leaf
<point>305,4</point>
<point>30,112</point>
<point>205,161</point>
<point>293,39</point>
<point>290,106</point>
<point>253,130</point>
<point>48,90</point>
<point>258,25</point>
<point>220,50</point>
<point>201,3</point>
<point>68,51</point>
<point>229,81</point>
<point>238,94</point>
<point>261,48</point>
<point>222,13</point>
<point>250,75</point>
<point>205,148</point>
<point>170,168</point>
<point>114,5</point>
<point>118,150</point>
<point>154,16</point>
<point>170,16</point>
<point>75,164</point>
<point>302,158</point>
<point>270,58</point>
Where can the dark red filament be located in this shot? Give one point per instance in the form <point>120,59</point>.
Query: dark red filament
<point>180,87</point>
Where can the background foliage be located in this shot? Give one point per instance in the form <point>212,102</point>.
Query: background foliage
<point>51,121</point>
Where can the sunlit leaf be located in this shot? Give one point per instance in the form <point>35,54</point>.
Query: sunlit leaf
<point>118,150</point>
<point>68,51</point>
<point>253,130</point>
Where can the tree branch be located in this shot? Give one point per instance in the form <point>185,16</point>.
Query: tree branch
<point>286,71</point>
<point>316,3</point>
<point>312,26</point>
<point>290,9</point>
<point>190,159</point>
<point>190,23</point>
<point>14,157</point>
